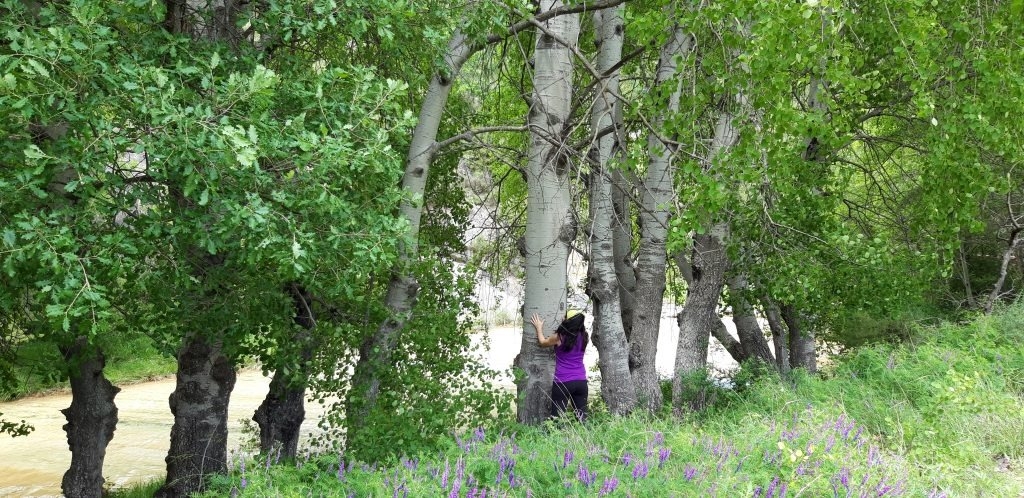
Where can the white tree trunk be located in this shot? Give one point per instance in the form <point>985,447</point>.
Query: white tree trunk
<point>550,228</point>
<point>656,193</point>
<point>376,352</point>
<point>609,336</point>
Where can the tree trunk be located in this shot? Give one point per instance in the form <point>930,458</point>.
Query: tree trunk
<point>656,193</point>
<point>801,341</point>
<point>1011,248</point>
<point>747,328</point>
<point>732,346</point>
<point>709,264</point>
<point>780,336</point>
<point>699,315</point>
<point>92,418</point>
<point>550,227</point>
<point>199,404</point>
<point>617,387</point>
<point>376,352</point>
<point>281,414</point>
<point>205,376</point>
<point>622,249</point>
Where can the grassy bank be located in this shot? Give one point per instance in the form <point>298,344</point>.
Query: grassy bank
<point>938,416</point>
<point>37,366</point>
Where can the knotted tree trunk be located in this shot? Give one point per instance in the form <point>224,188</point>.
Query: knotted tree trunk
<point>91,417</point>
<point>281,414</point>
<point>199,404</point>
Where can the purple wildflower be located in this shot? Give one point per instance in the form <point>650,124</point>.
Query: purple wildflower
<point>757,492</point>
<point>585,476</point>
<point>627,459</point>
<point>609,485</point>
<point>663,455</point>
<point>444,476</point>
<point>244,483</point>
<point>455,489</point>
<point>640,470</point>
<point>771,487</point>
<point>659,438</point>
<point>567,458</point>
<point>234,492</point>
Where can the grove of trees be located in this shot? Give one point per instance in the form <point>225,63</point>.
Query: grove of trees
<point>278,181</point>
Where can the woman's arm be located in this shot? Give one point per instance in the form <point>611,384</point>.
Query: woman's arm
<point>538,325</point>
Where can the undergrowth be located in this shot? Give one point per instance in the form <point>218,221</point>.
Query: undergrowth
<point>940,415</point>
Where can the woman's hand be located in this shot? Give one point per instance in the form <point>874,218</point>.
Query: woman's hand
<point>538,325</point>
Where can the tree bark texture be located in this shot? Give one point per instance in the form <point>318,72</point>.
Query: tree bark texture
<point>699,315</point>
<point>709,264</point>
<point>376,351</point>
<point>780,335</point>
<point>199,404</point>
<point>656,194</point>
<point>550,228</point>
<point>622,248</point>
<point>91,417</point>
<point>801,341</point>
<point>281,414</point>
<point>751,336</point>
<point>617,387</point>
<point>731,344</point>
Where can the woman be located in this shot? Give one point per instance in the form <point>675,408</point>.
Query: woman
<point>570,341</point>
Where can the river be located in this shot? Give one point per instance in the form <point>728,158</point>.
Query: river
<point>33,465</point>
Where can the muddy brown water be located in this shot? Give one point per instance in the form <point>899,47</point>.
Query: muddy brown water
<point>33,465</point>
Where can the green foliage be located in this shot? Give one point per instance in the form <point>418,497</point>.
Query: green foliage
<point>927,418</point>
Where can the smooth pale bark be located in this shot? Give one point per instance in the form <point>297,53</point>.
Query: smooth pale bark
<point>780,335</point>
<point>550,228</point>
<point>656,194</point>
<point>748,329</point>
<point>699,317</point>
<point>280,415</point>
<point>199,403</point>
<point>617,387</point>
<point>376,352</point>
<point>801,341</point>
<point>91,417</point>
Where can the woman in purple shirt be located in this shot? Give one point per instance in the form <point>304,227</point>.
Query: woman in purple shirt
<point>570,341</point>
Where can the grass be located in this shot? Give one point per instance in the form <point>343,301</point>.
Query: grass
<point>939,416</point>
<point>38,366</point>
<point>142,490</point>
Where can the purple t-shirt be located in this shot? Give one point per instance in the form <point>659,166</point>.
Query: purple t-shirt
<point>569,364</point>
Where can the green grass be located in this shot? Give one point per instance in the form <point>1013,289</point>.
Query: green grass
<point>937,416</point>
<point>142,490</point>
<point>38,366</point>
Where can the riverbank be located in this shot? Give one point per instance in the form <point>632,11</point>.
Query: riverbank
<point>33,465</point>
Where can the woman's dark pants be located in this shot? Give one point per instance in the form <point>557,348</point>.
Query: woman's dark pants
<point>562,392</point>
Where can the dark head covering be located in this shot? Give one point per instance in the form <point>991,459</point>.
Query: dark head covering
<point>570,330</point>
